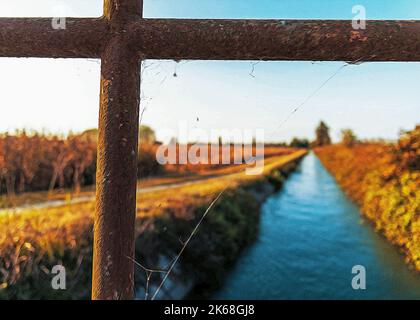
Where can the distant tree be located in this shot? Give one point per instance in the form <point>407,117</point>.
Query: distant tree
<point>31,157</point>
<point>9,169</point>
<point>33,161</point>
<point>83,152</point>
<point>147,135</point>
<point>348,138</point>
<point>299,143</point>
<point>2,164</point>
<point>322,135</point>
<point>62,156</point>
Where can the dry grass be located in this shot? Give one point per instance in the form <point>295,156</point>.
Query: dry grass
<point>387,191</point>
<point>192,173</point>
<point>34,239</point>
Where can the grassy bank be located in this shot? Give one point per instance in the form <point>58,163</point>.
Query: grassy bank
<point>384,180</point>
<point>33,241</point>
<point>231,226</point>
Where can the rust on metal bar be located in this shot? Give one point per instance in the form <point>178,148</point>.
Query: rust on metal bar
<point>332,40</point>
<point>116,176</point>
<point>36,37</point>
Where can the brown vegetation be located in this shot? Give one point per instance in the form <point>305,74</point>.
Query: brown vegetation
<point>32,241</point>
<point>33,162</point>
<point>384,179</point>
<point>36,162</point>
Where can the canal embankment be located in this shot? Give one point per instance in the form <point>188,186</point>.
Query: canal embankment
<point>310,237</point>
<point>384,181</point>
<point>36,239</point>
<point>229,228</point>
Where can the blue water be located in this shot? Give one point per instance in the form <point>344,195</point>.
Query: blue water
<point>310,238</point>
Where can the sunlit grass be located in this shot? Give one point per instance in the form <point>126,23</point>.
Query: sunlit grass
<point>34,238</point>
<point>385,182</point>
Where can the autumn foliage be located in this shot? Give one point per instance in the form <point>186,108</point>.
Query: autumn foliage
<point>40,162</point>
<point>34,240</point>
<point>33,162</point>
<point>384,179</point>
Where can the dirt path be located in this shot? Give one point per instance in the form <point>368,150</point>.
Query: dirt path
<point>140,190</point>
<point>81,199</point>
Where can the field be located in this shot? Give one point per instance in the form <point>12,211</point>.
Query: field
<point>33,240</point>
<point>36,166</point>
<point>384,180</point>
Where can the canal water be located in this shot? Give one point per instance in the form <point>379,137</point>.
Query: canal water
<point>311,236</point>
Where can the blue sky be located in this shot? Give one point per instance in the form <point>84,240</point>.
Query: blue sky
<point>375,99</point>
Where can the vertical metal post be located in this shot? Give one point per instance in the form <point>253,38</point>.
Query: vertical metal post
<point>113,269</point>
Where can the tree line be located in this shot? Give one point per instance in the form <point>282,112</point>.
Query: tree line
<point>32,161</point>
<point>36,161</point>
<point>322,138</point>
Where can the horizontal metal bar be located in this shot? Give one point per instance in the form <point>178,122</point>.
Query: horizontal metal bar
<point>179,39</point>
<point>36,37</point>
<point>331,40</point>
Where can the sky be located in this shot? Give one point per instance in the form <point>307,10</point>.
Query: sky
<point>374,99</point>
